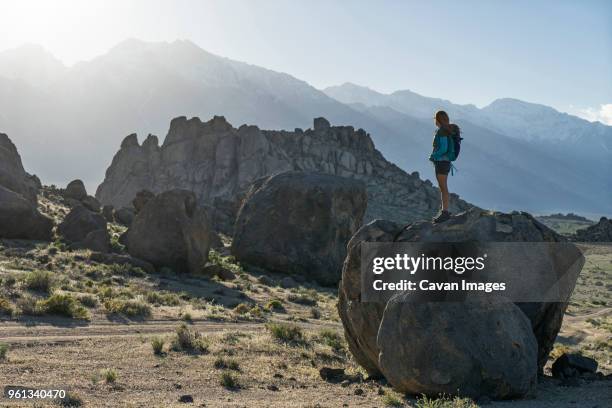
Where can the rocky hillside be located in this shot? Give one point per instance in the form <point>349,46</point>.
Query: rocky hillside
<point>219,162</point>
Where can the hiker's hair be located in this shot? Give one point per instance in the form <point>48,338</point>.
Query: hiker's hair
<point>444,122</point>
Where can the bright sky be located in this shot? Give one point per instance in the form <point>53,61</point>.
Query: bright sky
<point>556,52</point>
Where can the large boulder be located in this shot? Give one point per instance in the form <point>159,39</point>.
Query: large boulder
<point>362,320</point>
<point>79,223</point>
<point>299,223</point>
<point>125,216</point>
<point>20,219</point>
<point>75,190</point>
<point>171,230</point>
<point>142,197</point>
<point>477,347</point>
<point>12,174</point>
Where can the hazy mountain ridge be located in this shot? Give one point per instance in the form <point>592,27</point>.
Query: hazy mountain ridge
<point>138,86</point>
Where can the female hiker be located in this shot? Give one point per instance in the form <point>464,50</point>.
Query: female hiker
<point>445,151</point>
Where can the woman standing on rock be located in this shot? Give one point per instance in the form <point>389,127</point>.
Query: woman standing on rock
<point>446,144</point>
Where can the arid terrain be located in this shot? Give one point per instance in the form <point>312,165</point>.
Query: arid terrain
<point>115,336</point>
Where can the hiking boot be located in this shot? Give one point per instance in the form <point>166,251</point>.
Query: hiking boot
<point>441,217</point>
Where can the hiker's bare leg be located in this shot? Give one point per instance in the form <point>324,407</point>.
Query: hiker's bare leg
<point>444,196</point>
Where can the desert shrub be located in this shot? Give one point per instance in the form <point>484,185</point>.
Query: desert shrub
<point>230,364</point>
<point>276,305</point>
<point>444,401</point>
<point>302,299</point>
<point>187,317</point>
<point>109,375</point>
<point>315,313</point>
<point>61,304</point>
<point>242,308</point>
<point>3,350</point>
<point>90,301</point>
<point>6,308</point>
<point>158,298</point>
<point>256,312</point>
<point>157,343</point>
<point>189,340</point>
<point>130,308</point>
<point>332,339</point>
<point>40,281</point>
<point>228,380</point>
<point>286,333</point>
<point>26,305</point>
<point>9,281</point>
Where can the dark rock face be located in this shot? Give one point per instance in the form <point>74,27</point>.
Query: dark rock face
<point>219,163</point>
<point>142,197</point>
<point>171,230</point>
<point>80,222</point>
<point>98,240</point>
<point>600,232</point>
<point>91,203</point>
<point>75,190</point>
<point>363,321</point>
<point>477,347</point>
<point>125,216</point>
<point>108,212</point>
<point>19,218</point>
<point>299,223</point>
<point>12,175</point>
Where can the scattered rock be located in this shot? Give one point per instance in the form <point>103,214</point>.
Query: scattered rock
<point>125,216</point>
<point>98,240</point>
<point>272,387</point>
<point>359,391</point>
<point>75,190</point>
<point>299,223</point>
<point>333,375</point>
<point>570,365</point>
<point>222,273</point>
<point>186,399</point>
<point>20,219</point>
<point>80,222</point>
<point>266,280</point>
<point>288,283</point>
<point>142,197</point>
<point>171,231</point>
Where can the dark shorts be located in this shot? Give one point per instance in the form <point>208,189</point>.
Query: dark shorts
<point>442,167</point>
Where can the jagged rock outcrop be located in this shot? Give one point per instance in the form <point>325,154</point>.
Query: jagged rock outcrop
<point>299,223</point>
<point>171,230</point>
<point>75,190</point>
<point>12,174</point>
<point>600,232</point>
<point>219,162</point>
<point>19,215</point>
<point>362,320</point>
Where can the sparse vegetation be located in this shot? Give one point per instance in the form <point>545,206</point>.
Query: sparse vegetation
<point>445,402</point>
<point>228,380</point>
<point>61,304</point>
<point>6,308</point>
<point>39,281</point>
<point>230,364</point>
<point>391,399</point>
<point>286,333</point>
<point>3,350</point>
<point>332,339</point>
<point>109,375</point>
<point>275,305</point>
<point>189,340</point>
<point>129,308</point>
<point>157,343</point>
<point>71,400</point>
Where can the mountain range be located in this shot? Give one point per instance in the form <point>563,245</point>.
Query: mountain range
<point>69,121</point>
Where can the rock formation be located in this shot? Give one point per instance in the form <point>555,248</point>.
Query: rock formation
<point>219,163</point>
<point>85,229</point>
<point>12,174</point>
<point>19,216</point>
<point>600,232</point>
<point>171,230</point>
<point>363,320</point>
<point>75,190</point>
<point>299,223</point>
